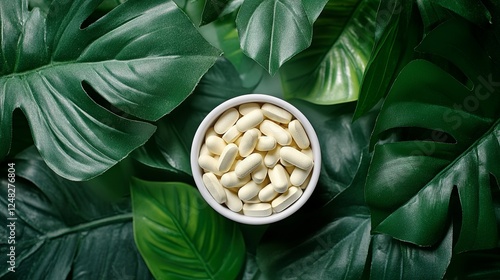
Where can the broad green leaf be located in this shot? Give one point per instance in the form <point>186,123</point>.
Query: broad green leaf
<point>223,34</point>
<point>440,167</point>
<point>170,146</point>
<point>180,236</point>
<point>202,12</point>
<point>397,34</point>
<point>484,264</point>
<point>331,69</point>
<point>273,31</point>
<point>142,59</point>
<point>64,230</point>
<point>474,10</point>
<point>393,259</point>
<point>342,142</point>
<point>335,243</point>
<point>327,243</point>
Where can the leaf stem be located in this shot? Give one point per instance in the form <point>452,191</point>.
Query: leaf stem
<point>93,224</point>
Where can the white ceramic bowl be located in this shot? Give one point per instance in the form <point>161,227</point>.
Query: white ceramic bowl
<point>198,172</point>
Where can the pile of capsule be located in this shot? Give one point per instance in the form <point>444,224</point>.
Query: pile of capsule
<point>256,159</point>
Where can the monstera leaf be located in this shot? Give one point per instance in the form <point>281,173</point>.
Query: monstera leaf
<point>331,69</point>
<point>272,31</point>
<point>202,11</point>
<point>64,229</point>
<point>446,158</point>
<point>141,59</point>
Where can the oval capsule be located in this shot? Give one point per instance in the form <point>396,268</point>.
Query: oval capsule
<point>248,142</point>
<point>248,107</point>
<point>215,144</point>
<point>248,165</point>
<point>214,187</point>
<point>257,209</point>
<point>299,176</point>
<point>283,201</point>
<point>298,133</point>
<point>276,113</point>
<point>272,157</point>
<point>279,178</point>
<point>259,174</point>
<point>233,202</point>
<point>265,143</point>
<point>295,157</point>
<point>231,135</point>
<point>270,128</point>
<point>250,120</point>
<point>230,180</point>
<point>209,163</point>
<point>267,193</point>
<point>249,190</point>
<point>227,157</point>
<point>226,121</point>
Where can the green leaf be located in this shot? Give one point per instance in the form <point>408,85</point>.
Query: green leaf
<point>397,34</point>
<point>333,245</point>
<point>180,236</point>
<point>170,146</point>
<point>202,12</point>
<point>393,259</point>
<point>484,264</point>
<point>341,142</point>
<point>474,11</point>
<point>272,31</point>
<point>63,229</point>
<point>142,59</point>
<point>448,146</point>
<point>331,69</point>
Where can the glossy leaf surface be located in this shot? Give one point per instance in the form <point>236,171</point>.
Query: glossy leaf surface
<point>273,31</point>
<point>330,71</point>
<point>65,230</point>
<point>180,236</point>
<point>131,61</point>
<point>449,142</point>
<point>397,34</point>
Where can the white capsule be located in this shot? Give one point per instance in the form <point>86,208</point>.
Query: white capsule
<point>252,200</point>
<point>265,143</point>
<point>283,201</point>
<point>267,193</point>
<point>289,169</point>
<point>232,201</point>
<point>299,176</point>
<point>227,157</point>
<point>249,190</point>
<point>208,163</point>
<point>248,165</point>
<point>204,150</point>
<point>298,133</point>
<point>296,157</point>
<point>214,187</point>
<point>231,135</point>
<point>285,163</point>
<point>272,157</point>
<point>215,144</point>
<point>279,178</point>
<point>270,128</point>
<point>230,180</point>
<point>248,142</point>
<point>308,152</point>
<point>226,121</point>
<point>306,182</point>
<point>236,162</point>
<point>248,107</point>
<point>250,120</point>
<point>257,209</point>
<point>210,132</point>
<point>259,174</point>
<point>276,113</point>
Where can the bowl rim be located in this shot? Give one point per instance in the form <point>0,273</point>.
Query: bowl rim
<point>199,139</point>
